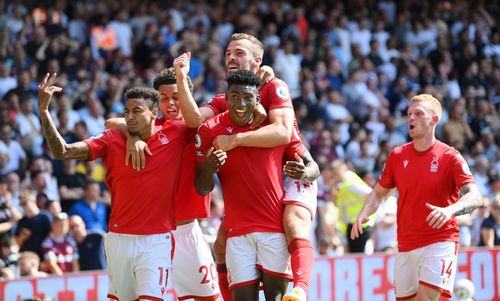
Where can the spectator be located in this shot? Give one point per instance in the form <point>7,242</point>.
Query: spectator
<point>478,217</point>
<point>41,187</point>
<point>490,228</point>
<point>457,131</point>
<point>90,208</point>
<point>9,215</point>
<point>17,156</point>
<point>287,67</point>
<point>29,126</point>
<point>59,250</point>
<point>34,227</point>
<point>385,229</point>
<point>70,184</point>
<point>351,195</point>
<point>90,245</point>
<point>7,82</point>
<point>29,264</point>
<point>14,188</point>
<point>9,268</point>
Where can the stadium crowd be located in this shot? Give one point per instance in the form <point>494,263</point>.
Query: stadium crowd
<point>351,67</point>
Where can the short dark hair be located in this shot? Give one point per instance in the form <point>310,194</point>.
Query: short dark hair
<point>89,182</point>
<point>243,77</point>
<point>150,96</point>
<point>167,77</point>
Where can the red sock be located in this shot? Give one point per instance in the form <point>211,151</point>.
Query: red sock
<point>302,259</point>
<point>223,283</point>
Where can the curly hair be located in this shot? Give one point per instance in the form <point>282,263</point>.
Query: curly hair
<point>243,77</point>
<point>150,96</point>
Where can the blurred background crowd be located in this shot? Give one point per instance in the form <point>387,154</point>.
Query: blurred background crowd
<point>351,67</point>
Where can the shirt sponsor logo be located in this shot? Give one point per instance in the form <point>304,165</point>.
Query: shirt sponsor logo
<point>163,138</point>
<point>434,165</point>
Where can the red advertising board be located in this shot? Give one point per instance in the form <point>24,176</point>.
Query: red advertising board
<point>347,278</point>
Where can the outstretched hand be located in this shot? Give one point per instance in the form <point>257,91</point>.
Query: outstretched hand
<point>45,91</point>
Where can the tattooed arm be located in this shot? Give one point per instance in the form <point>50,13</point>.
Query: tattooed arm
<point>470,200</point>
<point>60,149</point>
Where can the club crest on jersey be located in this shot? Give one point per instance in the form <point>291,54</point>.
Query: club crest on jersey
<point>405,163</point>
<point>163,138</point>
<point>282,92</point>
<point>434,165</point>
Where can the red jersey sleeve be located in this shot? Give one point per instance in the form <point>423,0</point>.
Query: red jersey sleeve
<point>217,104</point>
<point>295,146</point>
<point>99,145</point>
<point>275,95</point>
<point>203,142</point>
<point>461,171</point>
<point>386,179</point>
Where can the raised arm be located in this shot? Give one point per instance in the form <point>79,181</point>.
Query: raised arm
<point>187,105</point>
<point>117,123</point>
<point>277,133</point>
<point>371,205</point>
<point>60,149</point>
<point>468,202</point>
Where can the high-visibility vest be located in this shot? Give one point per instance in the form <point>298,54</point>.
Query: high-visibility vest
<point>348,201</point>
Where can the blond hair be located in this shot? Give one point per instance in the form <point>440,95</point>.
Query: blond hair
<point>432,101</point>
<point>27,196</point>
<point>30,256</point>
<point>257,50</point>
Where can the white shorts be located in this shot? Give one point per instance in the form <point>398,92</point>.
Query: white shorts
<point>193,268</point>
<point>249,253</point>
<point>434,266</point>
<point>301,193</point>
<point>138,265</point>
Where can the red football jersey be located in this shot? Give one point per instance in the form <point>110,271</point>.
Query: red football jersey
<point>251,180</point>
<point>434,176</point>
<point>142,202</point>
<point>295,146</point>
<point>189,204</point>
<point>273,95</point>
